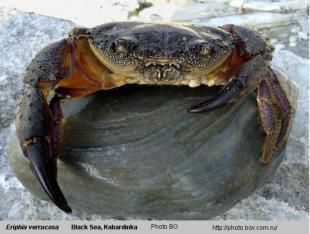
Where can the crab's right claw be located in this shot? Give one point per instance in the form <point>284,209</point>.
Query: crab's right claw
<point>38,126</point>
<point>44,168</point>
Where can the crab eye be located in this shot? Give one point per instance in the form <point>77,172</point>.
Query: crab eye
<point>200,47</point>
<point>119,46</point>
<point>134,46</point>
<point>125,45</point>
<point>206,49</point>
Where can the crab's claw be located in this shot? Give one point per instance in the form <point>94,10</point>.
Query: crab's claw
<point>228,94</point>
<point>44,168</point>
<point>38,126</point>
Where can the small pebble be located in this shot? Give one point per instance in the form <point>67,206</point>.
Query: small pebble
<point>302,35</point>
<point>304,24</point>
<point>295,29</point>
<point>155,17</point>
<point>293,41</point>
<point>279,46</point>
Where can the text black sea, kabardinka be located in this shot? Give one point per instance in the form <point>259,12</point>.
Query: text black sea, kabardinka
<point>104,227</point>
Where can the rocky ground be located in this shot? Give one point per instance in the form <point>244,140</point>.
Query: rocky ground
<point>286,23</point>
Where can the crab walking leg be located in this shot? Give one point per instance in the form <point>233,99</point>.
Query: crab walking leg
<point>282,103</point>
<point>274,109</point>
<point>269,120</point>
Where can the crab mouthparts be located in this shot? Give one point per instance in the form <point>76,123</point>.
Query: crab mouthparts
<point>162,64</point>
<point>161,71</point>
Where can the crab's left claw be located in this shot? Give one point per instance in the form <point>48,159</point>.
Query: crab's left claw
<point>255,77</point>
<point>228,94</point>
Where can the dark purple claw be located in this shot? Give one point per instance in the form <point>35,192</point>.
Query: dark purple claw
<point>231,91</point>
<point>44,168</point>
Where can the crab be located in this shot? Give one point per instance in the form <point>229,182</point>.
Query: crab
<point>119,53</point>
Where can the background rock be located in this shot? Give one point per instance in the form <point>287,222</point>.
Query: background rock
<point>274,6</point>
<point>80,12</point>
<point>284,197</point>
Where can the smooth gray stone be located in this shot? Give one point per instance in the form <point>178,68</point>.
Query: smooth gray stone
<point>135,153</point>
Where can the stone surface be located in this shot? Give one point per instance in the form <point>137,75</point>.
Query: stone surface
<point>173,11</point>
<point>136,153</point>
<point>257,20</point>
<point>284,197</point>
<point>79,12</point>
<point>274,6</point>
<point>6,13</point>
